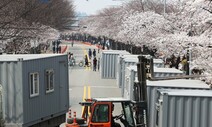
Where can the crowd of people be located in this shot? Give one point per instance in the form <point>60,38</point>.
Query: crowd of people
<point>177,62</point>
<point>90,57</point>
<point>181,63</point>
<point>95,61</point>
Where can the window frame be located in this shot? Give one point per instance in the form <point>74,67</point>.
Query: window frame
<point>32,84</point>
<point>48,86</point>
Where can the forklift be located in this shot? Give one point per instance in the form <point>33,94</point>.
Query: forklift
<point>98,112</point>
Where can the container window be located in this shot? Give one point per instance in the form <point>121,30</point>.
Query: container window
<point>34,84</point>
<point>49,81</point>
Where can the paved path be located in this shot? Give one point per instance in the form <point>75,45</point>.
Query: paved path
<point>86,83</point>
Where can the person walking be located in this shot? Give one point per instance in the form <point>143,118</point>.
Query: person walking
<point>98,63</point>
<point>94,53</point>
<point>72,43</point>
<point>94,63</point>
<point>90,53</point>
<point>184,63</point>
<point>86,61</point>
<point>177,62</point>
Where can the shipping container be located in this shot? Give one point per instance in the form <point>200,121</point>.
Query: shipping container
<point>130,78</point>
<point>166,72</point>
<point>184,108</point>
<point>131,74</point>
<point>130,60</point>
<point>35,89</point>
<point>119,67</point>
<point>108,64</point>
<point>158,63</point>
<point>153,86</point>
<point>126,63</point>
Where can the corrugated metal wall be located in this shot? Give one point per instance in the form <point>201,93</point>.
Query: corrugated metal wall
<point>167,72</point>
<point>158,63</point>
<point>108,68</point>
<point>172,84</point>
<point>158,72</point>
<point>131,76</point>
<point>11,81</point>
<point>120,69</point>
<point>185,108</point>
<point>46,104</point>
<point>126,63</point>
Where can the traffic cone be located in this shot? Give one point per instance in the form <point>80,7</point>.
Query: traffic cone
<point>69,113</point>
<point>75,120</point>
<point>74,124</point>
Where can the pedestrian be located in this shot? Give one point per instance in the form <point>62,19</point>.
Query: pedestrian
<point>90,53</point>
<point>98,49</point>
<point>94,53</point>
<point>69,56</point>
<point>94,63</point>
<point>173,61</point>
<point>177,62</point>
<point>72,43</point>
<point>98,63</point>
<point>184,63</point>
<point>86,61</point>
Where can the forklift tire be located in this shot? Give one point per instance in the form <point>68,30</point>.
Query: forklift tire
<point>79,120</point>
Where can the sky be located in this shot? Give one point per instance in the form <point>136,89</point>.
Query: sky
<point>92,6</point>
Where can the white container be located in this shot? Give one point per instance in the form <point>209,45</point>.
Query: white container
<point>130,77</point>
<point>126,63</point>
<point>158,63</point>
<point>167,72</point>
<point>184,108</point>
<point>153,86</point>
<point>120,67</point>
<point>108,64</point>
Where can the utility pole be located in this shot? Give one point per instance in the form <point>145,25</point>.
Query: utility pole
<point>164,8</point>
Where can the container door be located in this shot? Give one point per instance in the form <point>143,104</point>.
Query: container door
<point>159,107</point>
<point>128,114</point>
<point>101,115</point>
<point>1,104</point>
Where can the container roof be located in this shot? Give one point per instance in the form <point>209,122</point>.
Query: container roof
<point>17,57</point>
<point>130,59</point>
<point>132,67</point>
<point>112,99</point>
<point>179,83</point>
<point>167,70</point>
<point>115,52</point>
<point>128,56</point>
<point>156,69</point>
<point>158,61</point>
<point>197,93</point>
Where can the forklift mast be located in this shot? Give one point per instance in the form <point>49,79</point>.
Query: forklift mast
<point>140,92</point>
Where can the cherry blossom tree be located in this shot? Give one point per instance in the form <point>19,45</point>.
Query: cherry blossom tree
<point>186,26</point>
<point>32,21</point>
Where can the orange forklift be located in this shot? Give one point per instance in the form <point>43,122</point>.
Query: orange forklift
<point>98,112</point>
